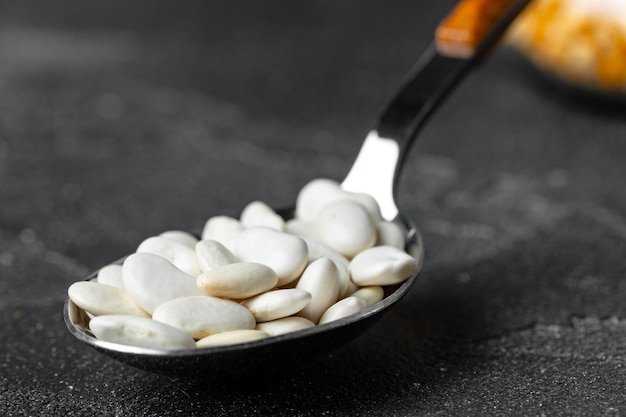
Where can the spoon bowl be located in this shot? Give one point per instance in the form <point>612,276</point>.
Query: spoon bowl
<point>251,357</point>
<point>375,172</point>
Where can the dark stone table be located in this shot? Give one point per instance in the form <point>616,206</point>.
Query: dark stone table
<point>119,120</point>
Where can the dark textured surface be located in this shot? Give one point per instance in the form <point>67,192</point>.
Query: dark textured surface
<point>119,121</point>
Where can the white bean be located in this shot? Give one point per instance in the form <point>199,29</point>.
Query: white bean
<point>343,308</point>
<point>111,275</point>
<point>346,227</point>
<point>391,234</point>
<point>257,213</point>
<point>181,236</point>
<point>201,316</point>
<point>230,338</point>
<point>237,281</point>
<point>382,265</point>
<point>318,193</point>
<point>277,304</point>
<point>319,250</point>
<point>285,325</point>
<point>224,229</point>
<point>371,295</point>
<point>140,332</point>
<point>321,280</point>
<point>352,288</point>
<point>284,253</point>
<point>212,254</point>
<point>101,299</point>
<point>314,196</point>
<point>152,280</point>
<point>178,253</point>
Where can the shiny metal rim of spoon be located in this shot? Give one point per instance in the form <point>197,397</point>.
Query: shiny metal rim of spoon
<point>375,171</point>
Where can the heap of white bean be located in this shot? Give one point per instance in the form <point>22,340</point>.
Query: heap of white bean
<point>250,278</point>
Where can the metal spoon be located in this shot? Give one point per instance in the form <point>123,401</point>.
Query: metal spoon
<point>464,38</point>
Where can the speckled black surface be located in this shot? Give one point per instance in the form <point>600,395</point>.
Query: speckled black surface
<point>119,121</point>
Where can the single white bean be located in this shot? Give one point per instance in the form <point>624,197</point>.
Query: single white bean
<point>201,316</point>
<point>352,288</point>
<point>178,253</point>
<point>319,250</point>
<point>382,265</point>
<point>371,295</point>
<point>230,338</point>
<point>237,281</point>
<point>212,254</point>
<point>181,236</point>
<point>346,227</point>
<point>277,304</point>
<point>314,196</point>
<point>284,253</point>
<point>321,280</point>
<point>101,299</point>
<point>318,193</point>
<point>391,234</point>
<point>152,280</point>
<point>257,213</point>
<point>111,275</point>
<point>140,332</point>
<point>343,308</point>
<point>223,229</point>
<point>285,325</point>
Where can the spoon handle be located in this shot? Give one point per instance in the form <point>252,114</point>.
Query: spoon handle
<point>468,25</point>
<point>466,37</point>
<point>462,40</point>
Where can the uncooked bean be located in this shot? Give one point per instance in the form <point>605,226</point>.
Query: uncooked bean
<point>111,275</point>
<point>237,281</point>
<point>319,250</point>
<point>314,196</point>
<point>346,227</point>
<point>179,254</point>
<point>286,254</point>
<point>317,194</point>
<point>321,280</point>
<point>382,265</point>
<point>201,316</point>
<point>371,295</point>
<point>352,287</point>
<point>285,325</point>
<point>223,229</point>
<point>152,280</point>
<point>277,304</point>
<point>181,236</point>
<point>139,332</point>
<point>212,254</point>
<point>101,299</point>
<point>343,308</point>
<point>230,338</point>
<point>391,234</point>
<point>258,213</point>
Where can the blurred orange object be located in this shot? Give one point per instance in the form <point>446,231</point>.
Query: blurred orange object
<point>581,41</point>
